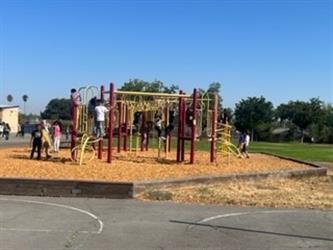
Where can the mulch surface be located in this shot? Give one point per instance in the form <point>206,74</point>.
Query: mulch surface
<point>145,166</point>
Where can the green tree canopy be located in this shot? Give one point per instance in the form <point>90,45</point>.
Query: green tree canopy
<point>57,109</point>
<point>252,114</point>
<point>301,113</point>
<point>144,86</point>
<point>215,88</point>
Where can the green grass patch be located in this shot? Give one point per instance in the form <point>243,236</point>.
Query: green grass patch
<point>308,152</point>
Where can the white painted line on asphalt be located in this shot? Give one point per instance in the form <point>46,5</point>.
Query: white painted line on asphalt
<point>220,216</point>
<point>43,230</point>
<point>101,224</point>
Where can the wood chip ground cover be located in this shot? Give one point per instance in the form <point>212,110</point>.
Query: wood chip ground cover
<point>131,167</point>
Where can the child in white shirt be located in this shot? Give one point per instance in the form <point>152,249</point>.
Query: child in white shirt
<point>100,112</point>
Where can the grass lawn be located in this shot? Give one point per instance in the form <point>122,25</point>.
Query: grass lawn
<point>309,152</point>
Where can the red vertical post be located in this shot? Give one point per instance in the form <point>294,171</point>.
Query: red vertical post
<point>126,127</point>
<point>166,125</point>
<point>110,127</point>
<point>179,132</point>
<point>74,113</point>
<point>183,130</point>
<point>194,125</point>
<point>213,127</point>
<point>120,107</point>
<point>100,143</point>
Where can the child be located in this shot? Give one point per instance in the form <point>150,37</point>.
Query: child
<point>246,144</point>
<point>75,102</point>
<point>171,126</point>
<point>100,111</point>
<point>75,98</point>
<point>45,141</point>
<point>241,141</point>
<point>136,121</point>
<point>91,112</point>
<point>2,128</point>
<point>56,134</point>
<point>36,141</point>
<point>158,123</point>
<point>7,131</point>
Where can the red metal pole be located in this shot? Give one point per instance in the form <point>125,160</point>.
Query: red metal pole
<point>194,125</point>
<point>213,127</point>
<point>179,132</point>
<point>126,128</point>
<point>74,114</point>
<point>166,125</point>
<point>100,143</point>
<point>183,130</point>
<point>120,106</point>
<point>110,129</point>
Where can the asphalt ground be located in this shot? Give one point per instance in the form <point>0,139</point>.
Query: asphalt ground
<point>33,223</point>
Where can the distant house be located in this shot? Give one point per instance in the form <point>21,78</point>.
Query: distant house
<point>10,115</point>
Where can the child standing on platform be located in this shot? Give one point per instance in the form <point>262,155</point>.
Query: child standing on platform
<point>100,112</point>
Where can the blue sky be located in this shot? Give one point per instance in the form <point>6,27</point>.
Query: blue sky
<point>282,50</point>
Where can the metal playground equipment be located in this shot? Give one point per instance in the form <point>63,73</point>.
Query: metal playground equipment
<point>130,120</point>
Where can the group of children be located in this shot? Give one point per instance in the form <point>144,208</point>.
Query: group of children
<point>97,111</point>
<point>42,136</point>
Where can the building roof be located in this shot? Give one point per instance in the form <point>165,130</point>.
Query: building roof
<point>4,106</point>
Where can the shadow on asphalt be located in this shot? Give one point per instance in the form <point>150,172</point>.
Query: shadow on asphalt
<point>252,230</point>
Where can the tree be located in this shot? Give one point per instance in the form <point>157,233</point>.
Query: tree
<point>215,88</point>
<point>144,86</point>
<point>57,109</point>
<point>135,85</point>
<point>25,99</point>
<point>252,114</point>
<point>322,129</point>
<point>10,98</point>
<point>301,113</point>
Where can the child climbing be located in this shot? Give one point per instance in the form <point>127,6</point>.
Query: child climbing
<point>136,121</point>
<point>171,125</point>
<point>91,112</point>
<point>158,123</point>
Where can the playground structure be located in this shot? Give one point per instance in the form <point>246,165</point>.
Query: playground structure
<point>224,145</point>
<point>123,123</point>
